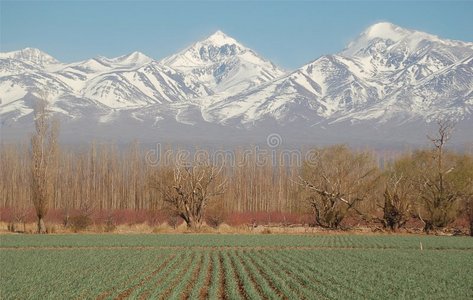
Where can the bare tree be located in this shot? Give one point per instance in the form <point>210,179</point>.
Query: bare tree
<point>438,195</point>
<point>400,192</point>
<point>468,204</point>
<point>188,188</point>
<point>44,149</point>
<point>469,211</point>
<point>338,179</point>
<point>111,179</point>
<point>462,181</point>
<point>397,202</point>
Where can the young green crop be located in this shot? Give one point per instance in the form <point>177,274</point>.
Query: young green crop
<point>273,282</point>
<point>298,286</point>
<point>177,287</point>
<point>200,283</point>
<point>232,289</point>
<point>235,266</point>
<point>250,289</point>
<point>216,281</point>
<point>275,285</point>
<point>212,240</point>
<point>260,283</point>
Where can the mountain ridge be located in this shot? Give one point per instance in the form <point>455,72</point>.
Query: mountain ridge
<point>388,76</point>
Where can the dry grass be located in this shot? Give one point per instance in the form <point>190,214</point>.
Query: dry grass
<point>164,228</point>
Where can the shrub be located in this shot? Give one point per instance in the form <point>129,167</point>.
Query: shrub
<point>11,227</point>
<point>266,231</point>
<point>173,221</point>
<point>215,219</point>
<point>395,211</point>
<point>80,222</point>
<point>110,223</point>
<point>50,229</point>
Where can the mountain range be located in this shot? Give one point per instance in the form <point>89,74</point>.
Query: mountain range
<point>386,88</point>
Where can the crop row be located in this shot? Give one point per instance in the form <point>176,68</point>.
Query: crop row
<point>213,240</point>
<point>235,274</point>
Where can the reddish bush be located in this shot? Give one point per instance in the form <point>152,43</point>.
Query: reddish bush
<point>8,215</point>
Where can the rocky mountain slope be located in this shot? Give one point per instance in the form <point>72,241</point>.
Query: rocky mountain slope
<point>389,79</point>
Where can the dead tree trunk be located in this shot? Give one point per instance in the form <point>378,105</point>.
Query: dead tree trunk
<point>41,226</point>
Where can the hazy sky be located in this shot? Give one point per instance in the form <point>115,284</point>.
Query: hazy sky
<point>289,33</point>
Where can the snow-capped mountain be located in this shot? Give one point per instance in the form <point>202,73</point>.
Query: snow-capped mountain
<point>217,64</point>
<point>386,73</point>
<point>388,80</point>
<point>224,65</point>
<point>148,84</point>
<point>123,82</point>
<point>31,56</point>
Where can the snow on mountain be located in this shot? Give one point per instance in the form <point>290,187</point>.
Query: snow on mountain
<point>151,83</point>
<point>133,59</point>
<point>216,64</point>
<point>385,47</point>
<point>10,66</point>
<point>15,87</point>
<point>223,64</point>
<point>28,60</point>
<point>31,55</point>
<point>127,81</point>
<point>388,77</point>
<point>370,38</point>
<point>321,88</point>
<point>386,73</point>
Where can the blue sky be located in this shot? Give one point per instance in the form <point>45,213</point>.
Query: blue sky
<point>290,33</point>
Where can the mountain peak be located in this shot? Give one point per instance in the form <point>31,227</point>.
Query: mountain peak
<point>30,50</point>
<point>218,33</point>
<point>136,56</point>
<point>133,58</point>
<point>219,38</point>
<point>386,31</point>
<point>223,64</point>
<point>382,32</point>
<point>215,48</point>
<point>32,55</point>
<point>384,35</point>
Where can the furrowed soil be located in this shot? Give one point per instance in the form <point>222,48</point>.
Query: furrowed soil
<point>204,266</point>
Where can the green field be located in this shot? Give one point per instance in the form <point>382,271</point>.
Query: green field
<point>194,266</point>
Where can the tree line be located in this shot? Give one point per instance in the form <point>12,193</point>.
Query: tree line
<point>434,186</point>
